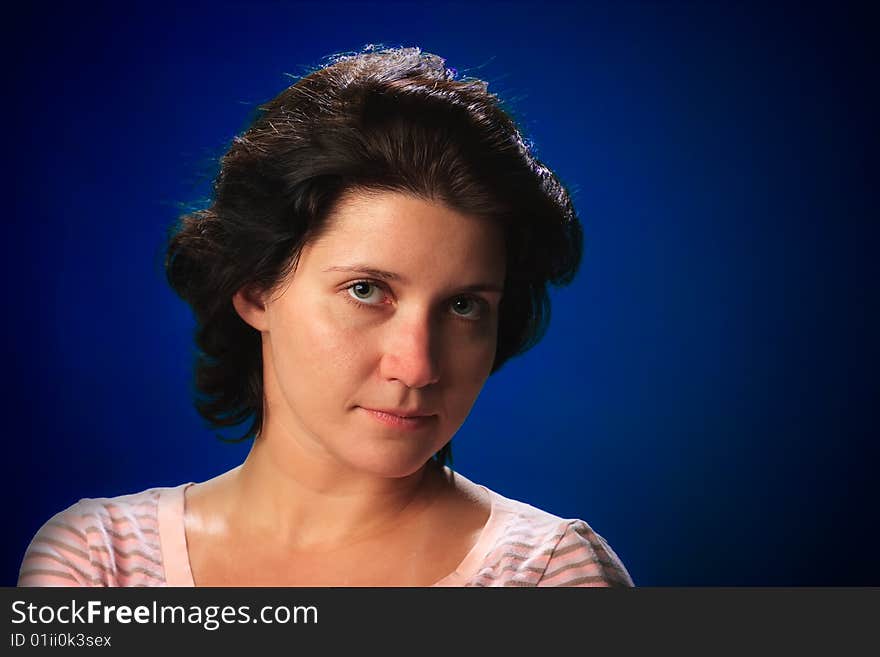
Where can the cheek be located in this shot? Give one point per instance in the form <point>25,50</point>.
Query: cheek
<point>322,348</point>
<point>469,362</point>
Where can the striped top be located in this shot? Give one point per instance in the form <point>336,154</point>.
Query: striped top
<point>139,540</point>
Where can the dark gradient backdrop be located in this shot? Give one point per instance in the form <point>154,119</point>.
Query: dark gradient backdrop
<point>706,396</point>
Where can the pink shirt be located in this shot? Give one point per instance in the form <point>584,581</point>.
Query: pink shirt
<point>139,540</point>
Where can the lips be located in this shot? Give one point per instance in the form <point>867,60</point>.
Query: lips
<point>401,412</point>
<point>400,419</point>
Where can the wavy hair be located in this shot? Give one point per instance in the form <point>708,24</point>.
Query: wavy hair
<point>389,120</point>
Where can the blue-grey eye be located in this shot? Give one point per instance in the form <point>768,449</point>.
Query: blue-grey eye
<point>364,291</point>
<point>466,307</point>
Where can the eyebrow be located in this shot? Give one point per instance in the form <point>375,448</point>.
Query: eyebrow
<point>383,275</point>
<point>368,271</point>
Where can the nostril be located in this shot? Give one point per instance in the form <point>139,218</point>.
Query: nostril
<point>410,358</point>
<point>412,372</point>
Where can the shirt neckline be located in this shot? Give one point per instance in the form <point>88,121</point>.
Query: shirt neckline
<point>172,537</point>
<point>175,553</point>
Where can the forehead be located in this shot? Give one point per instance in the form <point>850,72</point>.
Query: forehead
<point>398,231</point>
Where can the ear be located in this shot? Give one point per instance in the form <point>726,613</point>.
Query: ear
<point>251,307</point>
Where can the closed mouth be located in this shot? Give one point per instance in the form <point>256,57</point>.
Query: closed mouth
<point>398,419</point>
<point>399,413</point>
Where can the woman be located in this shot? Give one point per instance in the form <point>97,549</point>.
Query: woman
<point>379,242</point>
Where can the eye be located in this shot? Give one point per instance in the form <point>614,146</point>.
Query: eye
<point>467,307</point>
<point>365,292</point>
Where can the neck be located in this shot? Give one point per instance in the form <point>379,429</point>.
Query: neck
<point>303,502</point>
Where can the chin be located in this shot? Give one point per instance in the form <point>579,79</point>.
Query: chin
<point>389,465</point>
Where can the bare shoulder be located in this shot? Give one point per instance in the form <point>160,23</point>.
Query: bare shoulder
<point>465,504</point>
<point>204,501</point>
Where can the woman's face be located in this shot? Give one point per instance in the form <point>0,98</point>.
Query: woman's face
<point>378,344</point>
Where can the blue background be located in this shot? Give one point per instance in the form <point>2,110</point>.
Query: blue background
<point>706,396</point>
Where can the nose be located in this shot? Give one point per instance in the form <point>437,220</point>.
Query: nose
<point>409,353</point>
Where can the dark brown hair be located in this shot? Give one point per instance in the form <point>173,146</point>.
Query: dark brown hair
<point>392,119</point>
